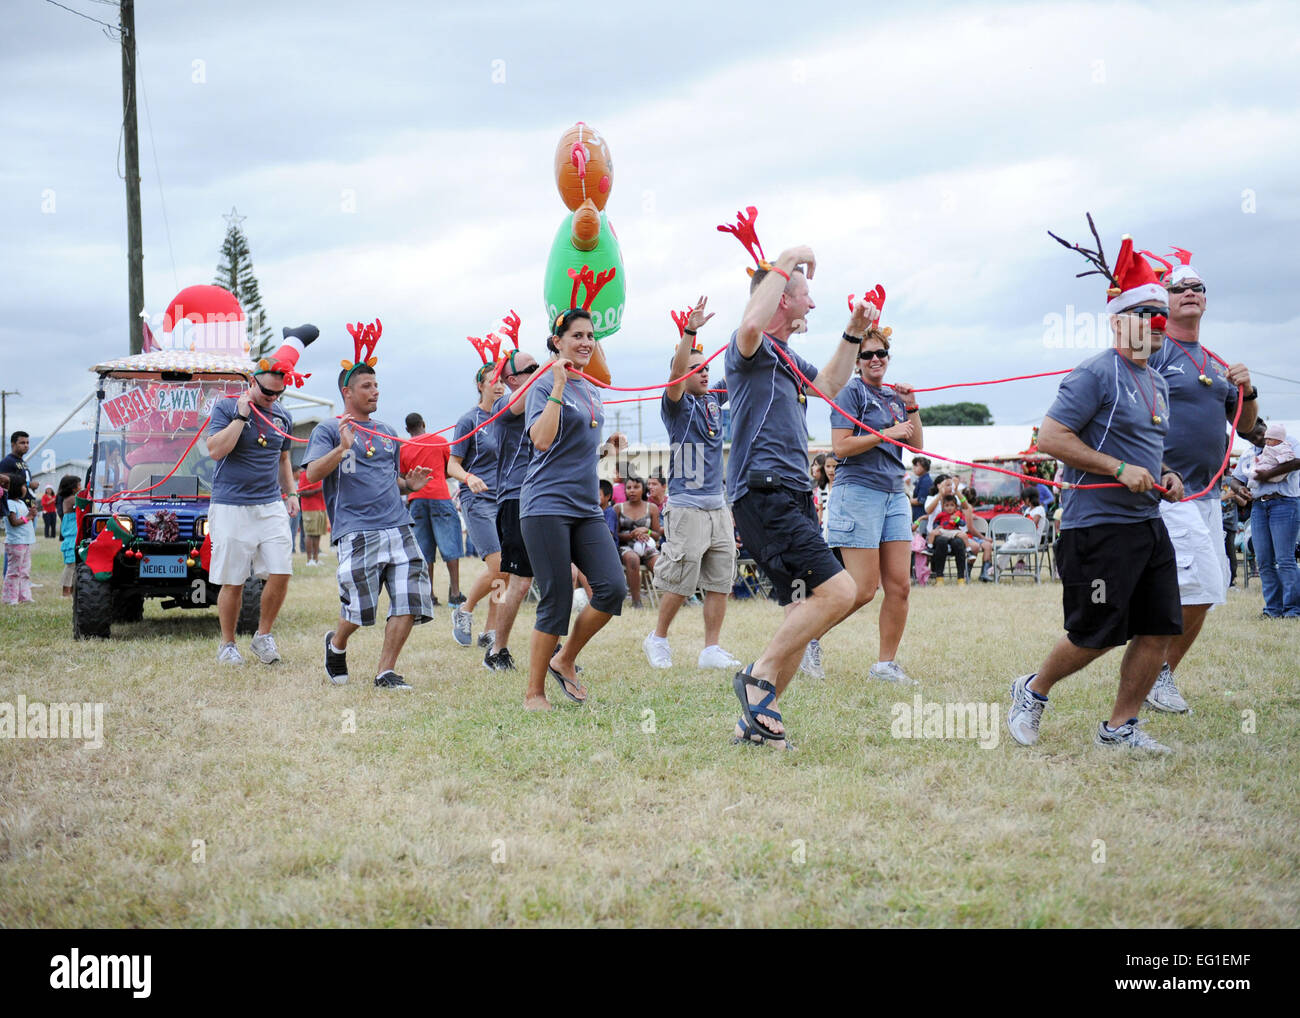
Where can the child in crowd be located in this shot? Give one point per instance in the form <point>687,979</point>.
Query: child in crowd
<point>49,511</point>
<point>20,537</point>
<point>67,503</point>
<point>948,534</point>
<point>1276,452</point>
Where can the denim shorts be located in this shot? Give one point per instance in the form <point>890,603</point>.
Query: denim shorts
<point>437,528</point>
<point>861,517</point>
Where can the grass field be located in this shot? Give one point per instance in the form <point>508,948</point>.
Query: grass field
<point>259,796</point>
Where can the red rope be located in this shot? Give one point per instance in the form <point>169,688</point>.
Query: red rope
<point>141,491</point>
<point>922,452</point>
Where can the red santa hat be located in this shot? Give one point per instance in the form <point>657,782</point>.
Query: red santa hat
<point>1135,280</point>
<point>1183,272</point>
<point>284,361</point>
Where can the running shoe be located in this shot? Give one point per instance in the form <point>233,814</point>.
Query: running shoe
<point>1026,712</point>
<point>462,626</point>
<point>229,655</point>
<point>264,647</point>
<point>889,671</point>
<point>716,657</point>
<point>391,680</point>
<point>1164,695</point>
<point>657,650</point>
<point>1128,736</point>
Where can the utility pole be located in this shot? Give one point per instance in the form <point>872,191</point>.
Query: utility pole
<point>639,440</point>
<point>134,233</point>
<point>4,412</point>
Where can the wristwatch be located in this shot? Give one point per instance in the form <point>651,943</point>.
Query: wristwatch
<point>243,418</point>
<point>1253,394</point>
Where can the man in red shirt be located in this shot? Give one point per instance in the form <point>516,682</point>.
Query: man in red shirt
<point>314,520</point>
<point>433,514</point>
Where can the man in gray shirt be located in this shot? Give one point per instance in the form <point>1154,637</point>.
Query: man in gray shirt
<point>1119,576</point>
<point>699,547</point>
<point>768,482</point>
<point>357,459</point>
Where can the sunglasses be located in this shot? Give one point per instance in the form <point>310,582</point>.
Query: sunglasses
<point>1183,288</point>
<point>528,370</point>
<point>1147,312</point>
<point>268,392</point>
<point>867,355</point>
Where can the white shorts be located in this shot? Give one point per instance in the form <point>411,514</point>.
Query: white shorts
<point>249,540</point>
<point>1196,530</point>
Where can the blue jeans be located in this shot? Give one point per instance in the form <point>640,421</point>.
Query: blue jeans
<point>437,528</point>
<point>1273,527</point>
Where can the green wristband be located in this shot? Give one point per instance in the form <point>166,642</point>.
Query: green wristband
<point>1120,469</point>
<point>552,399</point>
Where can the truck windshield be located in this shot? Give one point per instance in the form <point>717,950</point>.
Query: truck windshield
<point>145,425</point>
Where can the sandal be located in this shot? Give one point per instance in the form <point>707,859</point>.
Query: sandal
<point>565,683</point>
<point>577,668</point>
<point>750,712</point>
<point>751,738</point>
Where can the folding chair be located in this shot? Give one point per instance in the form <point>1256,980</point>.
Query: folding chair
<point>1028,546</point>
<point>753,578</point>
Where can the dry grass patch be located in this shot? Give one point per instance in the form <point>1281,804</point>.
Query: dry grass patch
<point>451,806</point>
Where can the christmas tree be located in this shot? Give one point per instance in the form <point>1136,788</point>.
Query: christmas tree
<point>235,273</point>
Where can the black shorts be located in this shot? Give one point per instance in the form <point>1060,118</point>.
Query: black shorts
<point>1119,580</point>
<point>780,529</point>
<point>514,555</point>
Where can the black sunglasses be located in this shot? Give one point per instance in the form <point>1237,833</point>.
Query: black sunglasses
<point>266,391</point>
<point>528,370</point>
<point>1194,287</point>
<point>1147,312</point>
<point>867,355</point>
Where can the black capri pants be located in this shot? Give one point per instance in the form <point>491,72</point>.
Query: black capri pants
<point>557,542</point>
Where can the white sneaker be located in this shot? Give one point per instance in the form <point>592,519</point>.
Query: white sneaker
<point>1164,695</point>
<point>657,650</point>
<point>580,599</point>
<point>462,626</point>
<point>312,563</point>
<point>1025,713</point>
<point>264,647</point>
<point>812,660</point>
<point>889,671</point>
<point>1128,736</point>
<point>716,657</point>
<point>229,655</point>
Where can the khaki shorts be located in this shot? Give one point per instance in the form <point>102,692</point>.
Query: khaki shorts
<point>699,551</point>
<point>313,522</point>
<point>249,540</point>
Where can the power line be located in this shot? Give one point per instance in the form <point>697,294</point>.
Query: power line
<point>1265,374</point>
<point>111,28</point>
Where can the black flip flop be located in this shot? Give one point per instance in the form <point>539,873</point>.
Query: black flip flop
<point>564,682</point>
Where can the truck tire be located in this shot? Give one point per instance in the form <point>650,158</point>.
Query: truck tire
<point>250,607</point>
<point>92,606</point>
<point>127,606</point>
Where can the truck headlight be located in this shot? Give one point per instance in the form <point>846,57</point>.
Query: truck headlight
<point>201,527</point>
<point>125,523</point>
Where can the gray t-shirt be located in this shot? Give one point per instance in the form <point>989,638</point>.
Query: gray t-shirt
<point>694,426</point>
<point>514,448</point>
<point>250,473</point>
<point>1110,408</point>
<point>478,455</point>
<point>769,417</point>
<point>1198,433</point>
<point>562,480</point>
<point>881,468</point>
<point>361,493</point>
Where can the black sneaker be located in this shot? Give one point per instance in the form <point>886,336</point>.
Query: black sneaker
<point>489,660</point>
<point>504,662</point>
<point>336,664</point>
<point>391,680</point>
<point>458,599</point>
<point>487,638</point>
<point>433,600</point>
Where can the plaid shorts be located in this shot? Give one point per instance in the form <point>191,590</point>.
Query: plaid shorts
<point>390,558</point>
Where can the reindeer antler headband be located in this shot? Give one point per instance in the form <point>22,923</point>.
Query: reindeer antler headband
<point>364,340</point>
<point>680,318</point>
<point>743,231</point>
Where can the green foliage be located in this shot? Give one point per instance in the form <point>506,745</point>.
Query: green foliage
<point>235,273</point>
<point>956,413</point>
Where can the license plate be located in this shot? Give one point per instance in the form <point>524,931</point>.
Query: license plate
<point>164,566</point>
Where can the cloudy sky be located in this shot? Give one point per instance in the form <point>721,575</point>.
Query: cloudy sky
<point>394,161</point>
